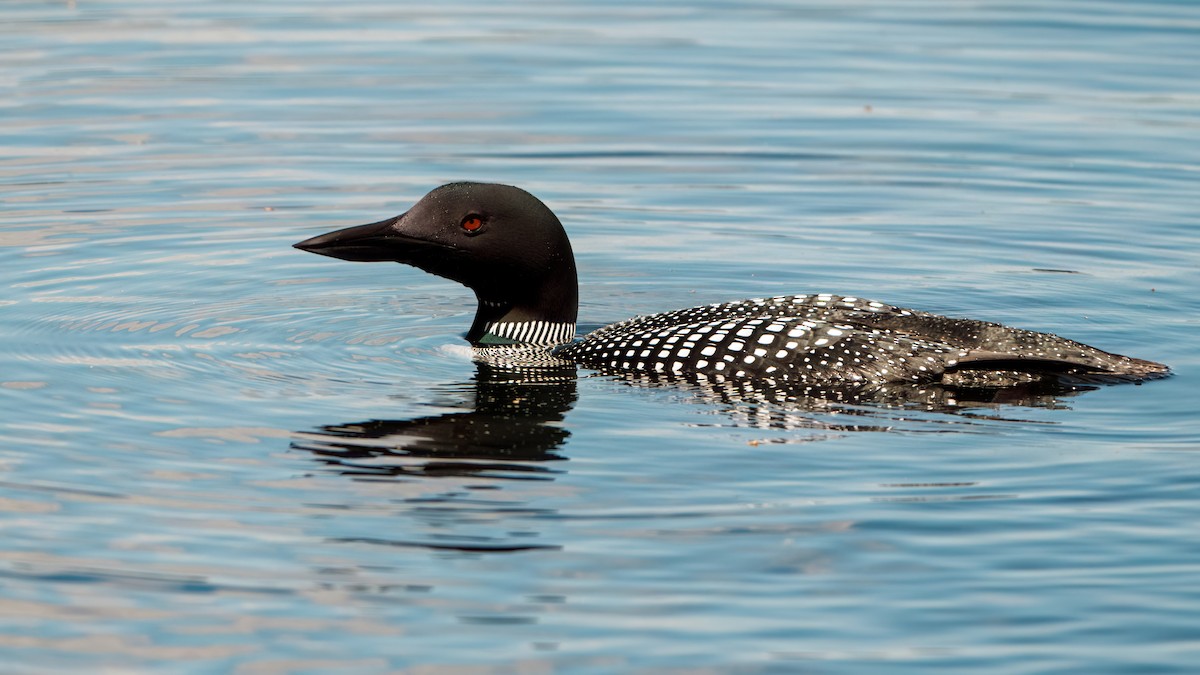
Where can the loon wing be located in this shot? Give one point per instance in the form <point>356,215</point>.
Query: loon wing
<point>992,346</point>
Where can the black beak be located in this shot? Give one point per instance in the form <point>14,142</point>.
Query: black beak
<point>376,242</point>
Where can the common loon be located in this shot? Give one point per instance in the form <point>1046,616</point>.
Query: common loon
<point>507,246</point>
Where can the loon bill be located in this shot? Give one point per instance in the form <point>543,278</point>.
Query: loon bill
<point>508,247</point>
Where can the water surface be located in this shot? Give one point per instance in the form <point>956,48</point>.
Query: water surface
<point>220,454</point>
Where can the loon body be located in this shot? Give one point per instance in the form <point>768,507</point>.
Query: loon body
<point>508,247</point>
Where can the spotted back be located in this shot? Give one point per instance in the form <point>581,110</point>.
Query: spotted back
<point>784,348</point>
<point>829,339</point>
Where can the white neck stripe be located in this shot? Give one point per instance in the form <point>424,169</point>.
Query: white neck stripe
<point>533,332</point>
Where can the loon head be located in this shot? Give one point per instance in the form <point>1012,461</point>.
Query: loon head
<point>498,240</point>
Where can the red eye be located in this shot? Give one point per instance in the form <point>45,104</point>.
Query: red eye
<point>472,223</point>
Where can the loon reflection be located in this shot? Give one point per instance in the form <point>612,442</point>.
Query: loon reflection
<point>508,428</point>
<point>511,425</point>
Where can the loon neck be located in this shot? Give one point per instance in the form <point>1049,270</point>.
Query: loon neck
<point>546,318</point>
<point>497,324</point>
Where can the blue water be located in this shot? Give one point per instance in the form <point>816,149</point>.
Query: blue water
<point>220,454</point>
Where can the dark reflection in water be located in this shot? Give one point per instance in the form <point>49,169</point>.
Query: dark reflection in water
<point>510,425</point>
<point>509,428</point>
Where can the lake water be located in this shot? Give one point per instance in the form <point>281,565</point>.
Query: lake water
<point>220,454</point>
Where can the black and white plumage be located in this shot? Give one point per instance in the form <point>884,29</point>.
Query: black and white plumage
<point>507,246</point>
